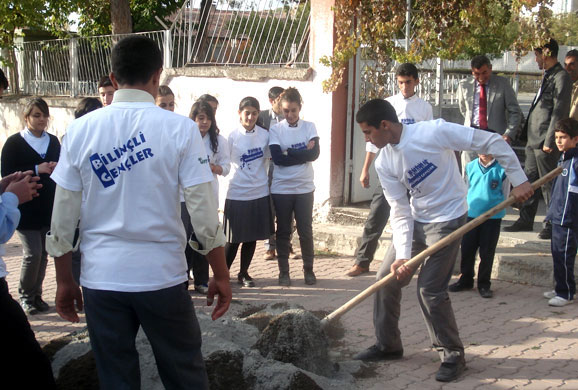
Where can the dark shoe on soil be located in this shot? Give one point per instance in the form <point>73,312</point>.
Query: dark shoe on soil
<point>450,371</point>
<point>28,308</point>
<point>245,280</point>
<point>375,354</point>
<point>519,226</point>
<point>546,233</point>
<point>40,305</point>
<point>284,279</point>
<point>309,276</point>
<point>202,288</point>
<point>270,255</point>
<point>460,286</point>
<point>485,292</point>
<point>357,270</point>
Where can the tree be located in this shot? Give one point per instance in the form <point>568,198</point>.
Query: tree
<point>565,29</point>
<point>447,29</point>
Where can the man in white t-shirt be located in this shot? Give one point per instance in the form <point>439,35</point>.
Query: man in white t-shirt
<point>409,109</point>
<point>420,158</point>
<point>122,168</point>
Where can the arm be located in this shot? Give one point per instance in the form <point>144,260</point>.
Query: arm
<point>202,208</point>
<point>281,159</point>
<point>9,216</point>
<point>306,155</point>
<point>514,112</point>
<point>562,95</point>
<point>364,177</point>
<point>223,157</point>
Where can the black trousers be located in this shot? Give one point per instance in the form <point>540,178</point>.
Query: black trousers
<point>24,365</point>
<point>376,220</point>
<point>195,261</point>
<point>536,165</point>
<point>485,238</point>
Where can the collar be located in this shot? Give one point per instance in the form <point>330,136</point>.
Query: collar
<point>492,161</point>
<point>250,131</point>
<point>553,69</point>
<point>31,134</point>
<point>132,96</point>
<point>296,124</point>
<point>567,155</point>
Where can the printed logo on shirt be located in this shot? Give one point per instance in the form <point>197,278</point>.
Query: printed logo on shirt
<point>105,168</point>
<point>564,172</point>
<point>420,172</point>
<point>408,121</point>
<point>494,184</point>
<point>299,146</point>
<point>204,160</point>
<point>251,155</point>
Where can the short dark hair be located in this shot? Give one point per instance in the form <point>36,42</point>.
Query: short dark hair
<point>135,59</point>
<point>249,101</point>
<point>479,61</point>
<point>104,82</point>
<point>375,111</point>
<point>87,105</point>
<point>208,98</point>
<point>407,70</point>
<point>164,90</point>
<point>572,53</point>
<point>292,95</point>
<point>36,102</point>
<point>567,126</point>
<point>552,46</point>
<point>274,92</point>
<point>3,80</point>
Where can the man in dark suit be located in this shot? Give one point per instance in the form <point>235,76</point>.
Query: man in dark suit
<point>487,101</point>
<point>552,103</point>
<point>274,115</point>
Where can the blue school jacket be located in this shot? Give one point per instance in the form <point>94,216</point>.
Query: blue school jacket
<point>563,208</point>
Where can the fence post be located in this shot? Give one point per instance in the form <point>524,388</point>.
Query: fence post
<point>167,50</point>
<point>439,86</point>
<point>74,83</point>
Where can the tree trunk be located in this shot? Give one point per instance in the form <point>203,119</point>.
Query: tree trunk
<point>120,17</point>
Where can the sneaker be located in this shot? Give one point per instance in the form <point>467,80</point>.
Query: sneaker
<point>309,275</point>
<point>270,255</point>
<point>40,305</point>
<point>357,270</point>
<point>546,233</point>
<point>450,371</point>
<point>519,226</point>
<point>28,308</point>
<point>245,280</point>
<point>460,286</point>
<point>485,292</point>
<point>549,294</point>
<point>284,279</point>
<point>558,301</point>
<point>374,354</point>
<point>202,288</point>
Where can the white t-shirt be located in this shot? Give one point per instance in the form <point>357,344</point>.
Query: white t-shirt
<point>250,159</point>
<point>411,110</point>
<point>295,179</point>
<point>129,160</point>
<point>221,157</point>
<point>424,163</point>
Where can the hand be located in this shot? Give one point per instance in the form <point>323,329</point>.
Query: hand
<point>507,139</point>
<point>6,180</point>
<point>546,149</point>
<point>311,144</point>
<point>46,167</point>
<point>522,192</point>
<point>217,169</point>
<point>364,179</point>
<point>222,287</point>
<point>68,301</point>
<point>25,188</point>
<point>401,271</point>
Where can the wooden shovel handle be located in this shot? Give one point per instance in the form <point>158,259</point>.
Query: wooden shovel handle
<point>415,261</point>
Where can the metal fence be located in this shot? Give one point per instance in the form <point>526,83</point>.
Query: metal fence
<point>250,32</point>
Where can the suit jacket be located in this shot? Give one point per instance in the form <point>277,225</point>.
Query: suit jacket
<point>574,104</point>
<point>504,114</point>
<point>551,105</point>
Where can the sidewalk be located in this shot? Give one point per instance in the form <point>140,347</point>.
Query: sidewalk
<point>513,341</point>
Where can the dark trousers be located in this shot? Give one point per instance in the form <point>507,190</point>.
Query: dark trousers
<point>564,240</point>
<point>24,364</point>
<point>485,238</point>
<point>195,261</point>
<point>34,262</point>
<point>376,221</point>
<point>168,319</point>
<point>302,206</point>
<point>247,252</point>
<point>536,165</point>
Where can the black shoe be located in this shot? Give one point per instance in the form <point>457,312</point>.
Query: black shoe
<point>40,305</point>
<point>284,279</point>
<point>374,354</point>
<point>460,286</point>
<point>309,275</point>
<point>485,292</point>
<point>28,308</point>
<point>245,280</point>
<point>519,226</point>
<point>546,233</point>
<point>450,371</point>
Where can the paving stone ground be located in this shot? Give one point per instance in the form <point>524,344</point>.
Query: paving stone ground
<point>513,341</point>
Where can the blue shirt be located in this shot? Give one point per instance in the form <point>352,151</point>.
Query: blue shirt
<point>485,188</point>
<point>9,218</point>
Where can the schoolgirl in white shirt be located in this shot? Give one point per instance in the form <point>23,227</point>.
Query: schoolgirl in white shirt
<point>294,144</point>
<point>247,215</point>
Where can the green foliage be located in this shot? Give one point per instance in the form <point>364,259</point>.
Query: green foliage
<point>565,29</point>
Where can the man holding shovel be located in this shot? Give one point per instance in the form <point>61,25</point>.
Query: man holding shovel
<point>420,158</point>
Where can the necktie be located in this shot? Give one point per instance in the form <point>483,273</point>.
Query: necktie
<point>483,108</point>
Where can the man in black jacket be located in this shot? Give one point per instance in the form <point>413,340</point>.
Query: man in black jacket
<point>552,103</point>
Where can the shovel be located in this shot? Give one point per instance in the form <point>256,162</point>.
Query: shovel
<point>415,261</point>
